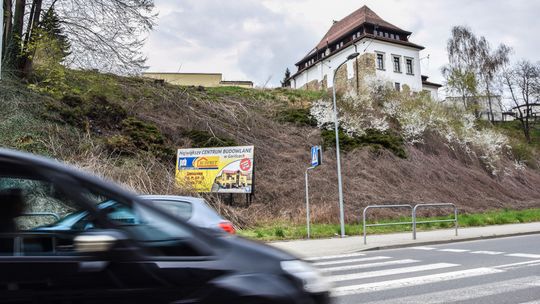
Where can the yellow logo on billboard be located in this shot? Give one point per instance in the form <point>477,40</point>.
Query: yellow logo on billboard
<point>208,162</point>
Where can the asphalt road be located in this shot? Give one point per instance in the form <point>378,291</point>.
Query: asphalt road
<point>505,270</point>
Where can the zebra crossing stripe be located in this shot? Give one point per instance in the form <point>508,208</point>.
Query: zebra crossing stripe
<point>375,258</point>
<point>329,257</point>
<point>412,281</point>
<point>454,250</point>
<point>386,272</point>
<point>488,252</point>
<point>423,248</point>
<point>524,255</point>
<point>468,293</point>
<point>369,265</point>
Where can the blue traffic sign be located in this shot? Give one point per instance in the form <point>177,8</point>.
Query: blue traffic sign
<point>316,156</point>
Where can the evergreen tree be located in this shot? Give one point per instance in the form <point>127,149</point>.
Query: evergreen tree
<point>52,28</point>
<point>286,81</point>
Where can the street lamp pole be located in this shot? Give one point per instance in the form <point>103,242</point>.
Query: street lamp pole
<point>338,159</point>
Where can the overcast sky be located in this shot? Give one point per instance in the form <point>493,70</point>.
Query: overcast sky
<point>257,39</point>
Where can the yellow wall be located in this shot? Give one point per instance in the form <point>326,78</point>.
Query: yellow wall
<point>240,84</point>
<point>188,79</point>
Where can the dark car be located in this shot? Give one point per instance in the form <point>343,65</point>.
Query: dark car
<point>126,250</point>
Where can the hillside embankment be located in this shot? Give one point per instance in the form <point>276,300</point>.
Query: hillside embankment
<point>127,130</point>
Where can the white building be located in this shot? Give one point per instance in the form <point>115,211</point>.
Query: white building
<point>393,57</point>
<point>532,111</point>
<point>482,104</point>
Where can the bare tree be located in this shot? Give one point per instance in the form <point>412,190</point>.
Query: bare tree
<point>473,67</point>
<point>523,83</point>
<point>103,34</point>
<point>460,73</point>
<point>490,65</point>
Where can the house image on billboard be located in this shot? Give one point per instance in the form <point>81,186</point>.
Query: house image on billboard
<point>230,179</point>
<point>385,52</point>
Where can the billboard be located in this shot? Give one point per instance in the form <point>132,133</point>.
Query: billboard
<point>218,170</point>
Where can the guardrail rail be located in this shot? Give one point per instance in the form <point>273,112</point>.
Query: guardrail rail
<point>415,222</point>
<point>365,225</point>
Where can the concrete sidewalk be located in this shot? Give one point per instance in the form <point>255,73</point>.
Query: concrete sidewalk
<point>335,246</point>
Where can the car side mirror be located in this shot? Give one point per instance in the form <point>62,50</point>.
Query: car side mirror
<point>98,241</point>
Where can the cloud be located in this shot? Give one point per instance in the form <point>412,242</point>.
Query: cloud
<point>258,39</point>
<point>243,39</point>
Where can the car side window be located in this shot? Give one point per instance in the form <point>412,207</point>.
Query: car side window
<point>180,209</point>
<point>31,210</point>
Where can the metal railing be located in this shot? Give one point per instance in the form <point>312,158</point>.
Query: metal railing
<point>56,216</point>
<point>455,220</point>
<point>365,225</point>
<point>413,221</point>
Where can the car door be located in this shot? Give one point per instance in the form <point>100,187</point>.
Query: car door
<point>177,255</point>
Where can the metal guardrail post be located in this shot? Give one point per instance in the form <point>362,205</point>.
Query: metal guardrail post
<point>415,222</point>
<point>364,213</point>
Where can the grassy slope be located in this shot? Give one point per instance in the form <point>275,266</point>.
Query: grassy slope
<point>127,129</point>
<point>285,231</point>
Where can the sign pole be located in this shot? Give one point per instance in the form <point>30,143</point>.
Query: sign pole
<point>316,160</point>
<point>307,203</point>
<point>1,35</point>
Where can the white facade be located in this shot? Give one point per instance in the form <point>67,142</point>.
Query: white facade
<point>368,45</point>
<point>433,91</point>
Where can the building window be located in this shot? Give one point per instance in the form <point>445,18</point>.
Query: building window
<point>397,64</point>
<point>380,61</point>
<point>409,63</point>
<point>397,85</point>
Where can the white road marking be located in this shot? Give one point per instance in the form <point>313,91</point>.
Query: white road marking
<point>375,258</point>
<point>468,293</point>
<point>369,265</point>
<point>386,272</point>
<point>454,250</point>
<point>328,257</point>
<point>423,248</point>
<point>413,281</point>
<point>488,252</point>
<point>524,255</point>
<point>532,302</point>
<point>517,265</point>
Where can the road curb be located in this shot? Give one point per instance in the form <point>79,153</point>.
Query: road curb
<point>476,238</point>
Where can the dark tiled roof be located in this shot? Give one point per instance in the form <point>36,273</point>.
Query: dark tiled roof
<point>361,16</point>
